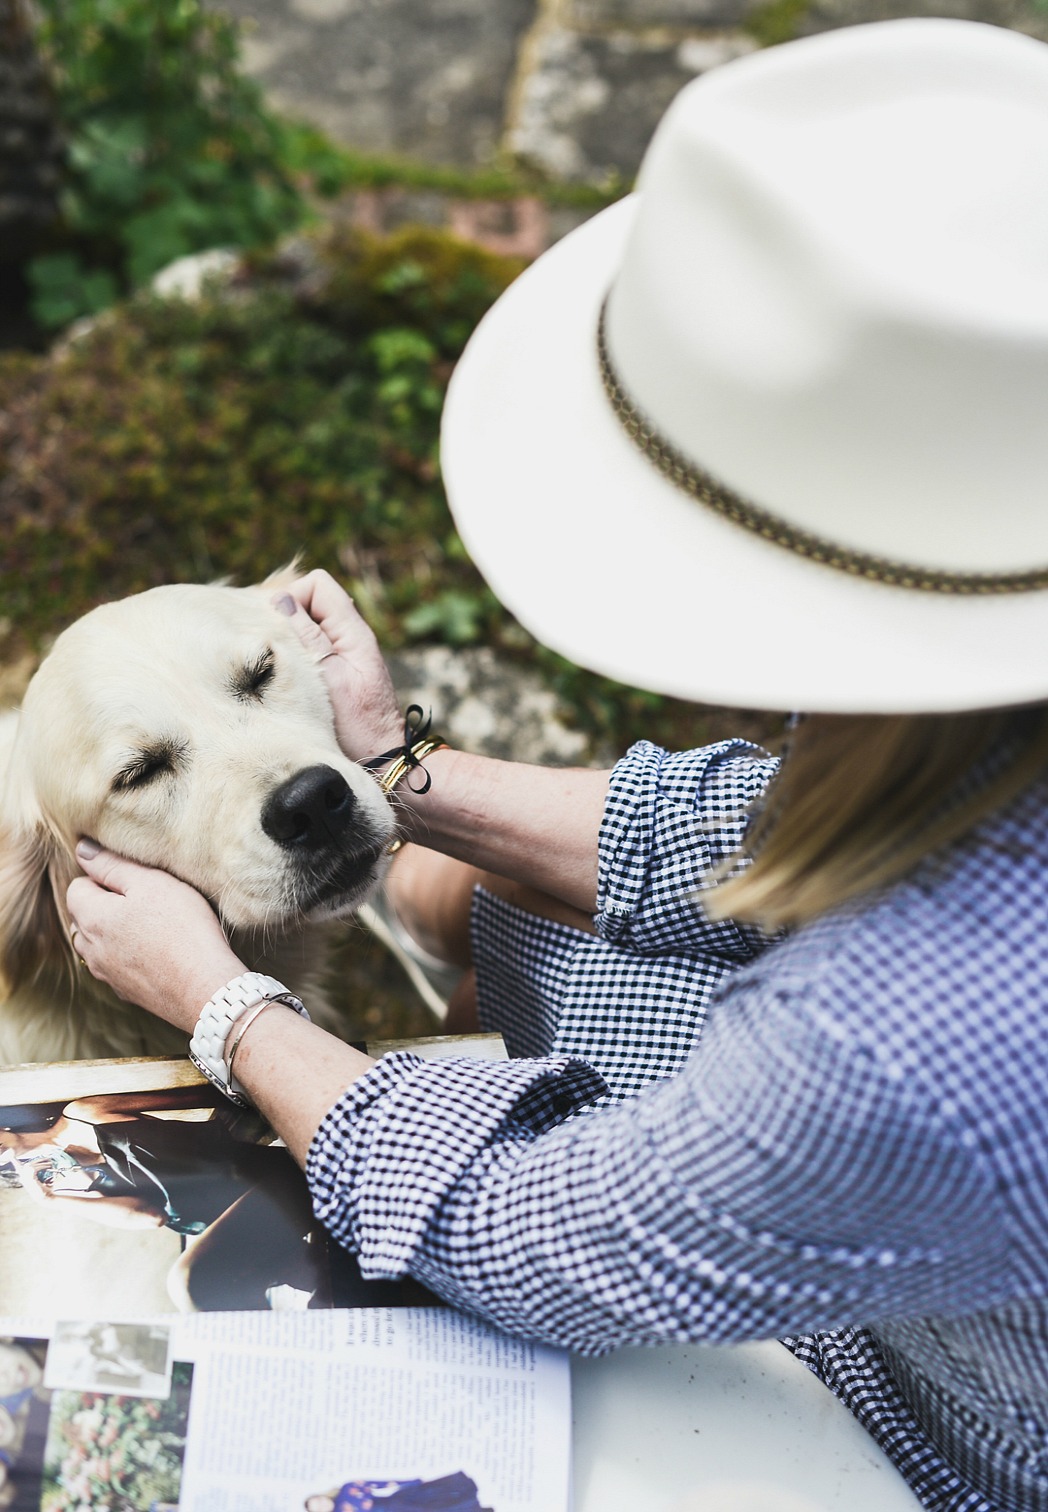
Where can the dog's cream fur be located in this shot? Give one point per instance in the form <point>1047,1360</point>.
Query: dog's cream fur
<point>162,725</point>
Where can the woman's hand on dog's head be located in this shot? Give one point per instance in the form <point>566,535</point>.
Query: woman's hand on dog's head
<point>153,939</point>
<point>367,713</point>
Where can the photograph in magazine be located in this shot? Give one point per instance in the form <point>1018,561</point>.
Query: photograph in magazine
<point>129,1188</point>
<point>448,1493</point>
<point>335,1410</point>
<point>68,1444</point>
<point>73,1441</point>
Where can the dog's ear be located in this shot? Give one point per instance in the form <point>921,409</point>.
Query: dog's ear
<point>35,871</point>
<point>284,575</point>
<point>31,931</point>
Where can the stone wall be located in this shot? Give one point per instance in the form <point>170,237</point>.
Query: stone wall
<point>594,76</point>
<point>574,87</point>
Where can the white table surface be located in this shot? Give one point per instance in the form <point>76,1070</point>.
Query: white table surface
<point>739,1428</point>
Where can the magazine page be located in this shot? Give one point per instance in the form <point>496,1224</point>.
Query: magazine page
<point>395,1408</point>
<point>133,1187</point>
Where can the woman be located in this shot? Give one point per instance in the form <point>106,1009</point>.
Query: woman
<point>107,1159</point>
<point>21,1374</point>
<point>771,432</point>
<point>450,1493</point>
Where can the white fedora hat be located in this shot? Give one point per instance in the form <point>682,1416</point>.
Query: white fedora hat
<point>801,459</point>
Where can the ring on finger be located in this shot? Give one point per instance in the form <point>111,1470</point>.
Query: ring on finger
<point>74,930</point>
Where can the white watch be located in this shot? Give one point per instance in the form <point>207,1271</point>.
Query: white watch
<point>207,1048</point>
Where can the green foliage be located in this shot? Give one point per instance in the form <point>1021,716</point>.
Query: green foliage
<point>776,21</point>
<point>65,288</point>
<point>107,1451</point>
<point>331,169</point>
<point>194,440</point>
<point>454,616</point>
<point>432,287</point>
<point>171,150</point>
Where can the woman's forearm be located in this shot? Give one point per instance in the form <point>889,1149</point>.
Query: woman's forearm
<point>536,825</point>
<point>294,1072</point>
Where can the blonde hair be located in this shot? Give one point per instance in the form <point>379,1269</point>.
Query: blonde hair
<point>861,798</point>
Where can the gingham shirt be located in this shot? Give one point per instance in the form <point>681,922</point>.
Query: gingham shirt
<point>856,1152</point>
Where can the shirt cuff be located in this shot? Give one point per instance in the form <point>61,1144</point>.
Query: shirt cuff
<point>395,1144</point>
<point>670,821</point>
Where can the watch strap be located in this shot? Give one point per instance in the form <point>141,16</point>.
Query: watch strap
<point>207,1047</point>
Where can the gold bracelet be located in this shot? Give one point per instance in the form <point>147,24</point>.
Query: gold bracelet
<point>412,757</point>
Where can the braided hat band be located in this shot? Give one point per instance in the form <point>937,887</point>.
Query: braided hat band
<point>680,471</point>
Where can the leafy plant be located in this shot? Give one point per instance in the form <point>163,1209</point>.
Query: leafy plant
<point>171,149</point>
<point>331,168</point>
<point>299,410</point>
<point>455,616</point>
<point>65,289</point>
<point>105,1452</point>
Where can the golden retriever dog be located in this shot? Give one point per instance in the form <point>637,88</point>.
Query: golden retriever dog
<point>188,728</point>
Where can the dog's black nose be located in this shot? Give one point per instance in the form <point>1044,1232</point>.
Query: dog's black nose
<point>309,810</point>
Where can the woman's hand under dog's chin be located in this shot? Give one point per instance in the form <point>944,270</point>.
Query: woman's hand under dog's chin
<point>150,937</point>
<point>157,942</point>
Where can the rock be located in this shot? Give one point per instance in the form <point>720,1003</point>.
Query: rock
<point>389,76</point>
<point>636,15</point>
<point>589,103</point>
<point>1019,15</point>
<point>573,88</point>
<point>486,703</point>
<point>185,277</point>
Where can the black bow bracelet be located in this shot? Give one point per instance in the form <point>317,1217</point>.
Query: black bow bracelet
<point>418,743</point>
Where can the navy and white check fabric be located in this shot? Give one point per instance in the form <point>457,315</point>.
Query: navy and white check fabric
<point>840,1136</point>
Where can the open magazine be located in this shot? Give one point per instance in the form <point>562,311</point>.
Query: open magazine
<point>413,1409</point>
<point>132,1186</point>
<point>177,1331</point>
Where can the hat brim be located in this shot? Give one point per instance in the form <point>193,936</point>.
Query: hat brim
<point>608,563</point>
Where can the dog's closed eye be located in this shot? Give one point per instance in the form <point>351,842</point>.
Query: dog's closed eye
<point>146,766</point>
<point>250,680</point>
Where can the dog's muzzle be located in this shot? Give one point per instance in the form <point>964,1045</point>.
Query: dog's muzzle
<point>315,819</point>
